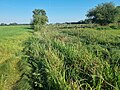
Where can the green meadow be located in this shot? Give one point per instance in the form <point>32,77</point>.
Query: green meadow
<point>11,39</point>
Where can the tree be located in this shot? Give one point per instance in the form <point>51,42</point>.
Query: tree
<point>39,19</point>
<point>13,24</point>
<point>103,14</point>
<point>3,24</point>
<point>118,17</point>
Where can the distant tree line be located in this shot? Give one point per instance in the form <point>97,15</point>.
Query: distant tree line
<point>11,24</point>
<point>86,21</point>
<point>103,14</point>
<point>3,24</point>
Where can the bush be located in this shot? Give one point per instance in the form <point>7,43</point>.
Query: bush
<point>103,28</point>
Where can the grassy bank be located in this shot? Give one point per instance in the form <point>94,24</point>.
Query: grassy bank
<point>71,59</point>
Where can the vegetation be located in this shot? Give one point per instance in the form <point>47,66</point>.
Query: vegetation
<point>68,56</point>
<point>11,38</point>
<point>118,17</point>
<point>3,24</point>
<point>13,24</point>
<point>71,59</point>
<point>104,13</point>
<point>39,19</point>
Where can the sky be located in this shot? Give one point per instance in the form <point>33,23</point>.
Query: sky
<point>58,11</point>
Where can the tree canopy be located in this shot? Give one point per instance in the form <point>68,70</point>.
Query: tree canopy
<point>39,19</point>
<point>118,17</point>
<point>104,13</point>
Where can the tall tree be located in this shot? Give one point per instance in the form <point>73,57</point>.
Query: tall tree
<point>39,19</point>
<point>103,14</point>
<point>118,17</point>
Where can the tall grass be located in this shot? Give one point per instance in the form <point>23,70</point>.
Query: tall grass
<point>71,59</point>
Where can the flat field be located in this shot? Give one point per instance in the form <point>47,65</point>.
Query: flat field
<point>11,38</point>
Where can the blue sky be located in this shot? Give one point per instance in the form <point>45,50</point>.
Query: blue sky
<point>20,11</point>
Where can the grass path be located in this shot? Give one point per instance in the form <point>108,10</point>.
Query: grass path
<point>11,39</point>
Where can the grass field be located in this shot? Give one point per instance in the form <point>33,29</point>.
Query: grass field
<point>71,59</point>
<point>59,58</point>
<point>11,38</point>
